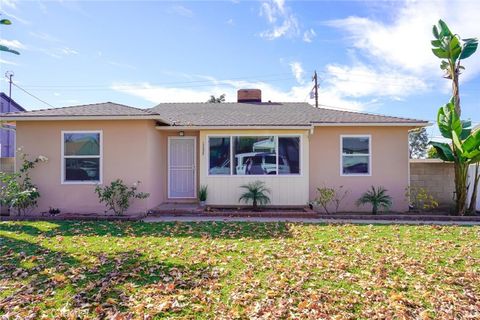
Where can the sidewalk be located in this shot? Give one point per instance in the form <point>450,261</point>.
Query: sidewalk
<point>183,218</point>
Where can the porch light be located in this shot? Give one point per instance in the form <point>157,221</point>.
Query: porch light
<point>181,133</point>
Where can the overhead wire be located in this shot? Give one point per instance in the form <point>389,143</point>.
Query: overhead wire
<point>32,95</point>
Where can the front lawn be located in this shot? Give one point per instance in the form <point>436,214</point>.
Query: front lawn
<point>238,270</point>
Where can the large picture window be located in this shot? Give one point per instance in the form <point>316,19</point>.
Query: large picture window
<point>81,157</point>
<point>219,156</point>
<point>289,155</point>
<point>356,155</point>
<point>254,155</point>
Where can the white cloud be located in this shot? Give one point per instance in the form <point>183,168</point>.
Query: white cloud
<point>42,7</point>
<point>282,22</point>
<point>363,81</point>
<point>328,96</point>
<point>231,22</point>
<point>44,36</point>
<point>8,3</point>
<point>121,65</point>
<point>57,53</point>
<point>3,61</point>
<point>181,10</point>
<point>15,17</point>
<point>12,44</point>
<point>309,35</point>
<point>404,43</point>
<point>68,51</point>
<point>297,71</point>
<point>394,59</point>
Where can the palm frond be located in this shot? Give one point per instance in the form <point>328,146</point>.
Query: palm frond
<point>256,193</point>
<point>377,197</point>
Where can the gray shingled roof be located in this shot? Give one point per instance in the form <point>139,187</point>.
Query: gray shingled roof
<point>218,114</point>
<point>105,109</point>
<point>260,114</point>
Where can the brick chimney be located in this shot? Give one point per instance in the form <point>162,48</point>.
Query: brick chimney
<point>249,95</point>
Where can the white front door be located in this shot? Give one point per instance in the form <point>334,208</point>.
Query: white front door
<point>181,167</point>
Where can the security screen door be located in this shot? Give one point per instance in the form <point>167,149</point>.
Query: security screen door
<point>181,167</point>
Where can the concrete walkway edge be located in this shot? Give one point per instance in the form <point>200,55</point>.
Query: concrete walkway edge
<point>167,218</point>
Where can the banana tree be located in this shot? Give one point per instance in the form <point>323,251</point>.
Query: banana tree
<point>463,150</point>
<point>452,49</point>
<point>2,47</point>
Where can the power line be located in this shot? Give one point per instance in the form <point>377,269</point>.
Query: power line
<point>32,95</point>
<point>218,83</point>
<point>247,78</point>
<point>244,78</point>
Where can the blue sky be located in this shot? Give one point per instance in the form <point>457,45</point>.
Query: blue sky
<point>370,56</point>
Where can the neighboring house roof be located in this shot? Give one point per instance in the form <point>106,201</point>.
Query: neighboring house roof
<point>218,115</point>
<point>14,104</point>
<point>105,110</point>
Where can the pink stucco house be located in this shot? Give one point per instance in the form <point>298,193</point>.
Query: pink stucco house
<point>174,148</point>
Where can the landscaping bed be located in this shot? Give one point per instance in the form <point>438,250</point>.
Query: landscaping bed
<point>305,212</point>
<point>73,216</point>
<point>125,270</point>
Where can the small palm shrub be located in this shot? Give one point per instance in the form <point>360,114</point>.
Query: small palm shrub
<point>256,193</point>
<point>377,197</point>
<point>117,196</point>
<point>203,193</point>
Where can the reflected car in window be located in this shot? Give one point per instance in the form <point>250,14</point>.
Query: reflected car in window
<point>258,163</point>
<point>223,169</point>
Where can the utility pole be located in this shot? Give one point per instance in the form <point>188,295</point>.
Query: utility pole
<point>9,75</point>
<point>315,87</point>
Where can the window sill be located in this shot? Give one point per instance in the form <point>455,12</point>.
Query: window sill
<point>81,182</point>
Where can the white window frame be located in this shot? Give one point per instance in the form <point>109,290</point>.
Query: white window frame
<point>100,157</point>
<point>276,136</point>
<point>369,136</point>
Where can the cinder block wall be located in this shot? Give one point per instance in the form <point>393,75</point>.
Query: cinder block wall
<point>6,165</point>
<point>435,176</point>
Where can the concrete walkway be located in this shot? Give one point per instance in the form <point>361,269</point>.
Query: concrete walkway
<point>302,220</point>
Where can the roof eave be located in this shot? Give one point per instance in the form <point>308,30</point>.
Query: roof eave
<point>78,117</point>
<point>371,124</point>
<point>235,127</point>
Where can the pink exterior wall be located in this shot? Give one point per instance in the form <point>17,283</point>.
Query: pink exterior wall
<point>132,151</point>
<point>390,164</point>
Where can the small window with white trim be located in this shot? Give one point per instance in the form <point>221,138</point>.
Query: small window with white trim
<point>81,156</point>
<point>356,155</point>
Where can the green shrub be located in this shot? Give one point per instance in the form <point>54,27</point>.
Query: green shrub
<point>419,198</point>
<point>377,197</point>
<point>330,195</point>
<point>432,153</point>
<point>17,190</point>
<point>203,193</point>
<point>256,193</point>
<point>117,196</point>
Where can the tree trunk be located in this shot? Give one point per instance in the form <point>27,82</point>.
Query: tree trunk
<point>456,91</point>
<point>473,200</point>
<point>374,209</point>
<point>254,204</point>
<point>461,190</point>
